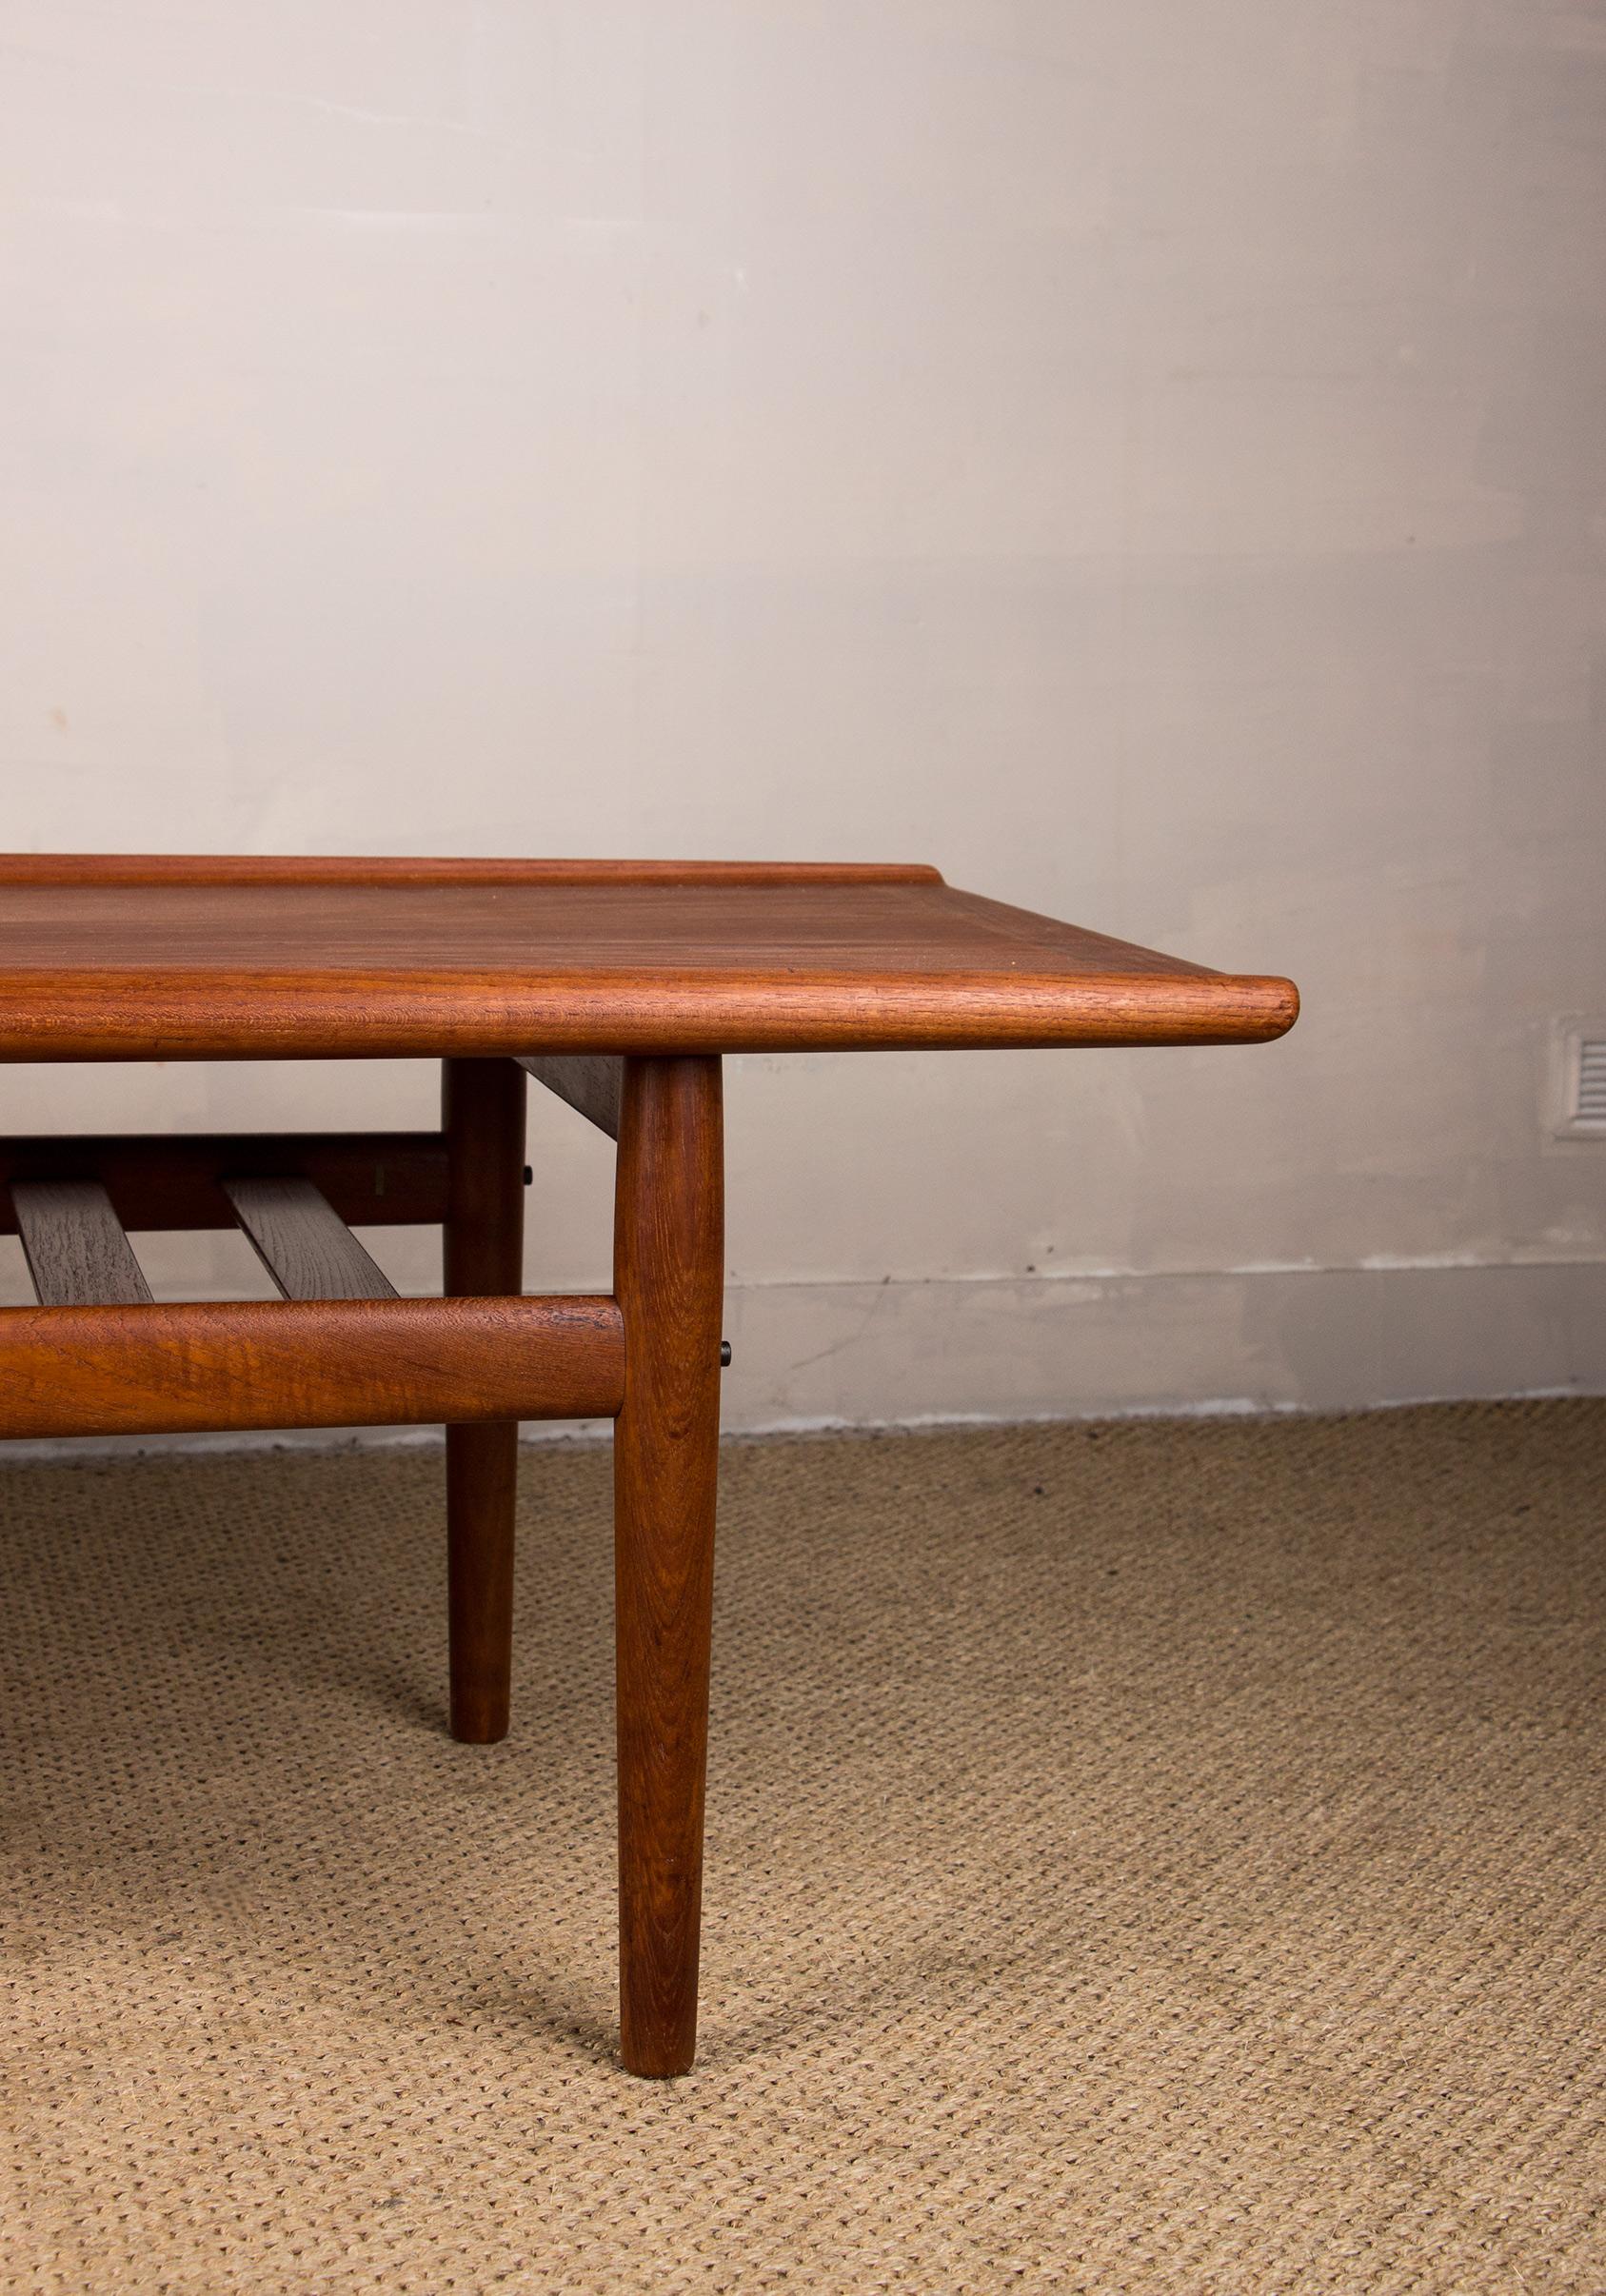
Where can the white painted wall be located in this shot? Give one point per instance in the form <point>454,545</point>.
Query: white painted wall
<point>1144,457</point>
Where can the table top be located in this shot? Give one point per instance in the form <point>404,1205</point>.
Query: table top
<point>125,957</point>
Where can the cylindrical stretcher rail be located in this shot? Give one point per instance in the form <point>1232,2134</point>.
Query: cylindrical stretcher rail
<point>172,1368</point>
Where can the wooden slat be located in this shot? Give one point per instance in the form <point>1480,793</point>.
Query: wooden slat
<point>77,1251</point>
<point>375,1178</point>
<point>258,1363</point>
<point>303,1243</point>
<point>588,1081</point>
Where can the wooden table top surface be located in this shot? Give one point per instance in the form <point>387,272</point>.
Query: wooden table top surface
<point>129,958</point>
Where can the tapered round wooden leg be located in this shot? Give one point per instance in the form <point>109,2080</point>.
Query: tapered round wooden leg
<point>483,1114</point>
<point>482,1477</point>
<point>668,1277</point>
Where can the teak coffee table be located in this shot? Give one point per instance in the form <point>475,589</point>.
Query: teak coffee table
<point>618,985</point>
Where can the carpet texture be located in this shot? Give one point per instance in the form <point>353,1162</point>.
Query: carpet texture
<point>1147,1857</point>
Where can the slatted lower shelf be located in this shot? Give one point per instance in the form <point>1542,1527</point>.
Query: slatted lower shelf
<point>79,1255</point>
<point>339,1349</point>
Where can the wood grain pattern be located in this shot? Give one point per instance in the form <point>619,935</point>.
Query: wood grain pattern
<point>261,1363</point>
<point>668,1277</point>
<point>483,1116</point>
<point>303,1243</point>
<point>374,1179</point>
<point>77,1254</point>
<point>267,970</point>
<point>591,1083</point>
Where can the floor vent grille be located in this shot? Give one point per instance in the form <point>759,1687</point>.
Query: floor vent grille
<point>1580,1098</point>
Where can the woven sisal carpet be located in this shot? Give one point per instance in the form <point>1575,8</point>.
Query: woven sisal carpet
<point>1142,1858</point>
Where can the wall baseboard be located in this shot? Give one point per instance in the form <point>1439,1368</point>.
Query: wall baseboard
<point>810,1356</point>
<point>1074,1347</point>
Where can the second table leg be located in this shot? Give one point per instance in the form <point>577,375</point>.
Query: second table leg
<point>483,1116</point>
